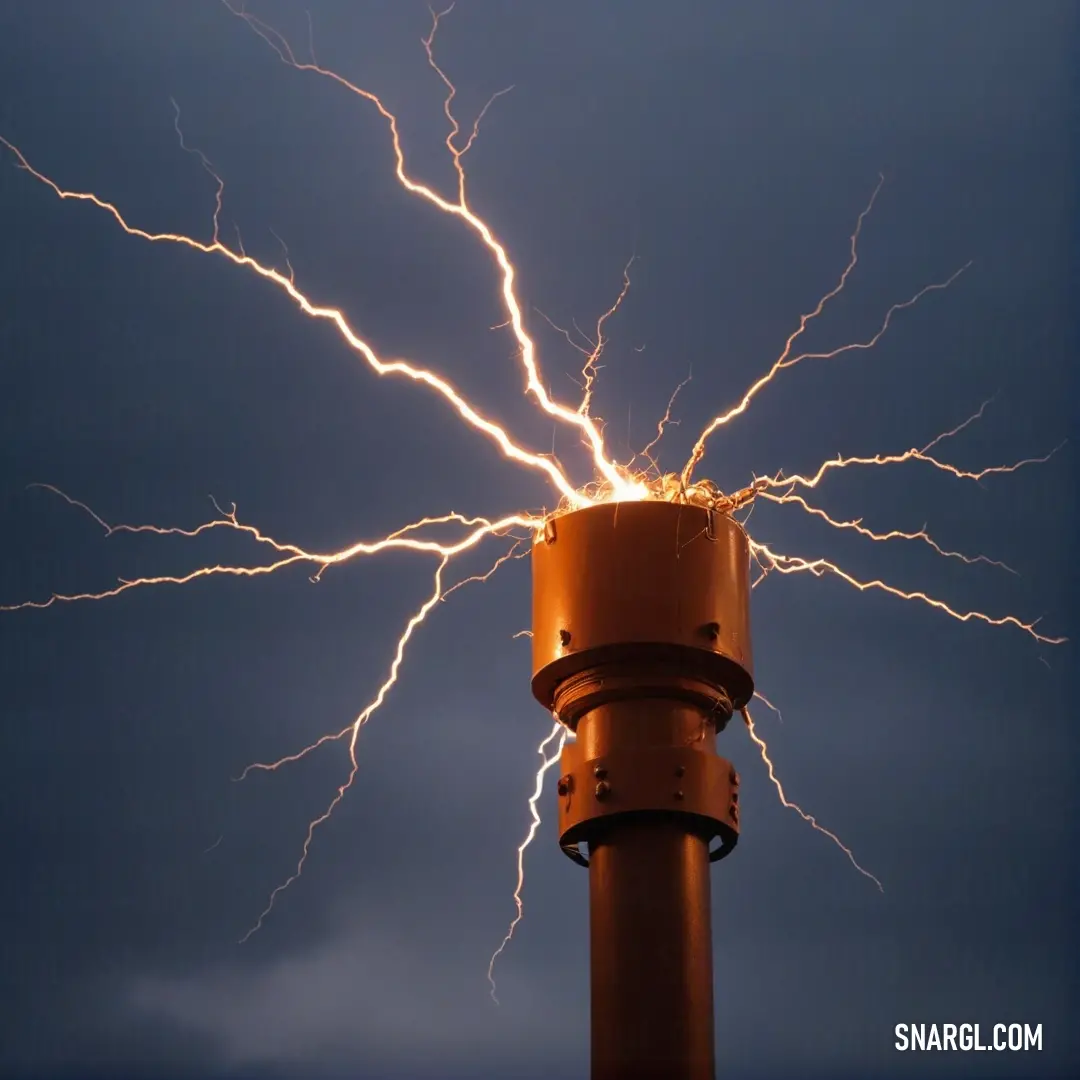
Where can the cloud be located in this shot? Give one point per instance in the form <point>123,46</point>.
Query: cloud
<point>393,985</point>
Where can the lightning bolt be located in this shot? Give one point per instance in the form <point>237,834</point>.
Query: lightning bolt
<point>892,534</point>
<point>841,462</point>
<point>769,705</point>
<point>353,731</point>
<point>662,425</point>
<point>787,360</point>
<point>460,209</point>
<point>291,554</point>
<point>610,480</point>
<point>793,564</point>
<point>559,732</point>
<point>812,821</point>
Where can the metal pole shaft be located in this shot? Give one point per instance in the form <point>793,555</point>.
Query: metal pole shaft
<point>651,954</point>
<point>649,920</point>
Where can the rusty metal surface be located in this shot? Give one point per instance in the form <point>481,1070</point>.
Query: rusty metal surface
<point>611,579</point>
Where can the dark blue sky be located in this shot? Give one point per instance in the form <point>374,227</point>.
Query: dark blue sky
<point>730,146</point>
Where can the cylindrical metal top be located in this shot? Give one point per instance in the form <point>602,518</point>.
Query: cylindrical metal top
<point>642,579</point>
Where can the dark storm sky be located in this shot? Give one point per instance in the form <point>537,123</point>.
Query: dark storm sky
<point>730,146</point>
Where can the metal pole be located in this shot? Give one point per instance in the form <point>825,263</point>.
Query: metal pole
<point>651,955</point>
<point>641,646</point>
<point>650,933</point>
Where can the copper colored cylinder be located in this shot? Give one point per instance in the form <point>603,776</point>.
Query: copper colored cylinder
<point>642,582</point>
<point>650,934</point>
<point>650,954</point>
<point>641,645</point>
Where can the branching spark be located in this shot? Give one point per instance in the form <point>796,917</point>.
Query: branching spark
<point>337,318</point>
<point>792,564</point>
<point>219,194</point>
<point>461,209</point>
<point>785,359</point>
<point>354,731</point>
<point>589,371</point>
<point>959,427</point>
<point>841,462</point>
<point>662,425</point>
<point>481,578</point>
<point>291,553</point>
<point>229,520</point>
<point>893,534</point>
<point>791,361</point>
<point>451,92</point>
<point>438,594</point>
<point>769,705</point>
<point>594,346</point>
<point>610,481</point>
<point>808,818</point>
<point>546,762</point>
<point>448,554</point>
